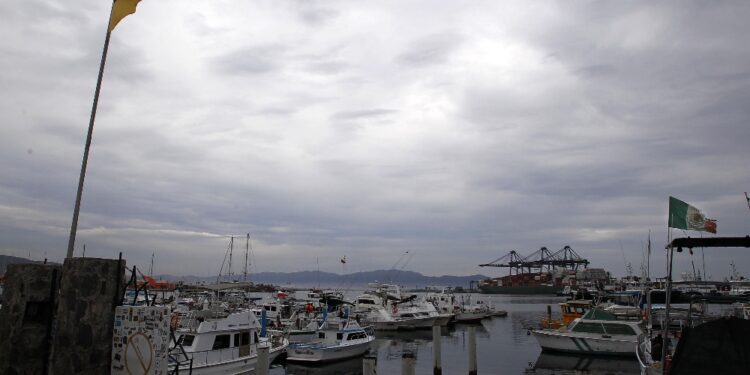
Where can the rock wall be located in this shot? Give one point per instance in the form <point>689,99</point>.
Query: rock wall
<point>26,318</point>
<point>90,289</point>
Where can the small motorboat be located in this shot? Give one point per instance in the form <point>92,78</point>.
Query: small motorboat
<point>596,332</point>
<point>333,345</point>
<point>222,345</point>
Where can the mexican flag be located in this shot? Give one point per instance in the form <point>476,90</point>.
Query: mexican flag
<point>685,216</point>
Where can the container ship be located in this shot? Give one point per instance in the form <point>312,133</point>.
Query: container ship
<point>542,272</point>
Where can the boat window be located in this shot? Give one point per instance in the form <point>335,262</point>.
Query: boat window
<point>321,335</point>
<point>255,336</point>
<point>618,329</point>
<point>186,340</point>
<point>245,338</point>
<point>339,336</point>
<point>588,327</point>
<point>236,339</point>
<point>221,342</point>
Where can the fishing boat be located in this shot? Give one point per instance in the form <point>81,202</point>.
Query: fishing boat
<point>596,332</point>
<point>570,311</point>
<point>222,345</point>
<point>333,345</point>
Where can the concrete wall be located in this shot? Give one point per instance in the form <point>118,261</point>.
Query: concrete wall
<point>26,318</point>
<point>89,291</point>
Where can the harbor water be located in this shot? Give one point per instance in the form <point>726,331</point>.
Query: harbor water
<point>504,346</point>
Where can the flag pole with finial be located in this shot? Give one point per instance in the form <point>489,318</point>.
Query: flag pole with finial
<point>120,9</point>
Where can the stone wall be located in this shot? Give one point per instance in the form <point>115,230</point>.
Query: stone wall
<point>26,318</point>
<point>89,291</point>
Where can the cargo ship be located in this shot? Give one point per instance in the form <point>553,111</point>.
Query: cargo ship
<point>526,283</point>
<point>542,272</point>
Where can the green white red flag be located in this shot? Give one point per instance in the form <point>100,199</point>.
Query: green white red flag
<point>685,216</point>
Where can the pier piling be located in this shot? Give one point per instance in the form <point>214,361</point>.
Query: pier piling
<point>437,367</point>
<point>262,367</point>
<point>472,351</point>
<point>370,364</point>
<point>408,363</point>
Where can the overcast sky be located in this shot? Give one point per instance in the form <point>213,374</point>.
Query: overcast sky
<point>454,130</point>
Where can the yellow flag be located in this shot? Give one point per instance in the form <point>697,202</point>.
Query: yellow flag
<point>120,10</point>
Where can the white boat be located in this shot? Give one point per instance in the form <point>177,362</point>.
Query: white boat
<point>372,310</point>
<point>333,345</point>
<point>469,314</point>
<point>226,345</point>
<point>596,332</point>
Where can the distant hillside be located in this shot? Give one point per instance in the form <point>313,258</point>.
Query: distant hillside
<point>5,260</point>
<point>408,279</point>
<point>312,278</point>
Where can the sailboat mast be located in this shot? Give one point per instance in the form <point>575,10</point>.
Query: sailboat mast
<point>247,250</point>
<point>151,268</point>
<point>648,258</point>
<point>231,248</point>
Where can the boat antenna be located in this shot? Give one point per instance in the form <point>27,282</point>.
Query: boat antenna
<point>748,200</point>
<point>151,268</point>
<point>628,266</point>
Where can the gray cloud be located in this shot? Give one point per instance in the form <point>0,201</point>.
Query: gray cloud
<point>250,61</point>
<point>430,50</point>
<point>307,126</point>
<point>362,113</point>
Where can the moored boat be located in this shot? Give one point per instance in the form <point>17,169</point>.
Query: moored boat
<point>596,332</point>
<point>333,345</point>
<point>224,345</point>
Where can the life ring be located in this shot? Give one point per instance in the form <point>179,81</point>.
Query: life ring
<point>309,308</point>
<point>174,321</point>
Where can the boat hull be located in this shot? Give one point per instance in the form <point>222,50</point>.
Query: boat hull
<point>553,340</point>
<point>302,353</point>
<point>238,366</point>
<point>536,289</point>
<point>470,316</point>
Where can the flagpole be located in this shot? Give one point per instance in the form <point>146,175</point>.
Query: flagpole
<point>667,298</point>
<point>84,163</point>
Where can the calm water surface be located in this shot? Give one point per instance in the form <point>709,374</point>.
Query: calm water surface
<point>503,347</point>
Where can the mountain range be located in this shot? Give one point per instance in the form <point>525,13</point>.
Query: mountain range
<point>408,279</point>
<point>326,279</point>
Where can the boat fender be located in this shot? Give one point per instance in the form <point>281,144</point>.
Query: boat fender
<point>395,309</point>
<point>528,332</point>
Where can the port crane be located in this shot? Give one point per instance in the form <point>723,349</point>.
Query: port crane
<point>540,261</point>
